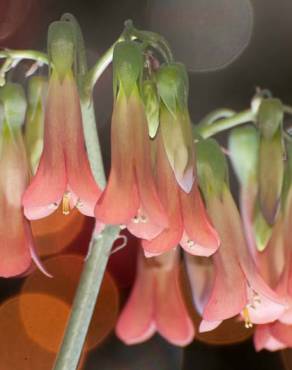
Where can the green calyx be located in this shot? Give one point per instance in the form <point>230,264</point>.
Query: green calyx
<point>243,145</point>
<point>61,47</point>
<point>34,125</point>
<point>211,168</point>
<point>14,104</point>
<point>127,66</point>
<point>173,86</point>
<point>152,106</point>
<point>271,174</point>
<point>262,230</point>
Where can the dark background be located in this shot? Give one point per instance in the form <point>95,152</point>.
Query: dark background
<point>266,62</point>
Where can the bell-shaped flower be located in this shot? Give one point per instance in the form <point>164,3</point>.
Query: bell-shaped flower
<point>189,224</point>
<point>250,296</point>
<point>64,173</point>
<point>156,303</point>
<point>16,246</point>
<point>130,197</point>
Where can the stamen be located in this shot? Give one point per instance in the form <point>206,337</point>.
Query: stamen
<point>247,321</point>
<point>136,220</point>
<point>66,203</point>
<point>79,204</point>
<point>190,243</point>
<point>140,217</point>
<point>143,219</point>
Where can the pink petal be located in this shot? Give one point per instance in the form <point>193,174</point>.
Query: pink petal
<point>144,230</point>
<point>263,339</point>
<point>148,194</point>
<point>79,174</point>
<point>48,185</point>
<point>172,318</point>
<point>208,325</point>
<point>136,322</point>
<point>282,333</point>
<point>120,200</point>
<point>197,225</point>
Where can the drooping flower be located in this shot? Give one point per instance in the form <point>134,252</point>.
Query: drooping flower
<point>265,339</point>
<point>250,295</point>
<point>189,224</point>
<point>64,172</point>
<point>130,197</point>
<point>156,303</point>
<point>16,242</point>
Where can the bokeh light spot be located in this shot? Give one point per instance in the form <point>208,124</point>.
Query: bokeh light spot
<point>204,34</point>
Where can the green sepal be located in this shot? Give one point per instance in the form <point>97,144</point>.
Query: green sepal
<point>262,230</point>
<point>287,181</point>
<point>211,168</point>
<point>14,104</point>
<point>127,66</point>
<point>243,146</point>
<point>270,174</point>
<point>61,46</point>
<point>34,126</point>
<point>173,86</point>
<point>270,117</point>
<point>152,106</point>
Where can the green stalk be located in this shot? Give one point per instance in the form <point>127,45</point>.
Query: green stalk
<point>208,130</point>
<point>100,247</point>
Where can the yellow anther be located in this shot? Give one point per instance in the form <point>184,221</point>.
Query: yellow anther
<point>247,321</point>
<point>66,203</point>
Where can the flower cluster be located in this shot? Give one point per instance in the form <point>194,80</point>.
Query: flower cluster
<point>167,185</point>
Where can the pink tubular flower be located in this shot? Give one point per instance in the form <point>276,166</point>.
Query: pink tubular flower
<point>156,303</point>
<point>64,172</point>
<point>189,224</point>
<point>130,197</point>
<point>238,287</point>
<point>16,247</point>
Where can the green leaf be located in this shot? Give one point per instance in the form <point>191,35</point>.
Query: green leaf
<point>152,106</point>
<point>61,46</point>
<point>211,168</point>
<point>127,66</point>
<point>270,117</point>
<point>243,145</point>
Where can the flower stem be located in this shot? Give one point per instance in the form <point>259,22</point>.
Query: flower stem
<point>85,299</point>
<point>210,129</point>
<point>100,247</point>
<point>37,56</point>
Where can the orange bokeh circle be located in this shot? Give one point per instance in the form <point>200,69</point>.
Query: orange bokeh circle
<point>17,350</point>
<point>54,233</point>
<point>66,271</point>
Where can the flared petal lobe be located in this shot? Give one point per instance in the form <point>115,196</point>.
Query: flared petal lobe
<point>156,304</point>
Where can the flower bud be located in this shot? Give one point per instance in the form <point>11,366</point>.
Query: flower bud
<point>152,106</point>
<point>14,104</point>
<point>127,66</point>
<point>243,147</point>
<point>61,47</point>
<point>211,168</point>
